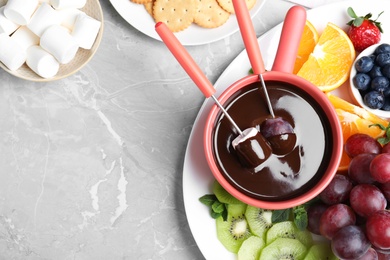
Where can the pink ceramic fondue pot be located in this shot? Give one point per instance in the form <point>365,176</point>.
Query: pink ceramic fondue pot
<point>285,179</point>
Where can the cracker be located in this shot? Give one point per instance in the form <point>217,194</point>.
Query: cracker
<point>141,1</point>
<point>210,14</point>
<point>227,5</point>
<point>176,14</point>
<point>149,7</point>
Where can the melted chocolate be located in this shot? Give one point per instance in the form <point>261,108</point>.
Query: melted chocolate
<point>281,176</point>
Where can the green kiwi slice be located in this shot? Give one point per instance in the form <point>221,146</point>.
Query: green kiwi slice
<point>250,248</point>
<point>259,220</point>
<point>321,251</point>
<point>223,196</point>
<point>284,248</point>
<point>233,232</point>
<point>288,229</point>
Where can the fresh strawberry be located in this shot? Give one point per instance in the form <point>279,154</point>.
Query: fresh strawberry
<point>363,32</point>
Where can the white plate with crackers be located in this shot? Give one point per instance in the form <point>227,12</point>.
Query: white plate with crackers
<point>210,27</point>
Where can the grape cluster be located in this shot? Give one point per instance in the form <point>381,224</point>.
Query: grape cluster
<point>373,78</point>
<point>352,210</point>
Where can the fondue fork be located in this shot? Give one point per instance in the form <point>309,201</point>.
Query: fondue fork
<point>248,34</point>
<point>200,79</point>
<point>192,69</point>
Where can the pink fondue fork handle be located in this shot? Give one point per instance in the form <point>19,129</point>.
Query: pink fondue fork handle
<point>185,60</point>
<point>292,30</point>
<point>249,36</point>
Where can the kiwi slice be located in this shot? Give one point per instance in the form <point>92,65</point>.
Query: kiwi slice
<point>288,229</point>
<point>250,248</point>
<point>233,232</point>
<point>321,251</point>
<point>224,196</point>
<point>259,220</point>
<point>284,248</point>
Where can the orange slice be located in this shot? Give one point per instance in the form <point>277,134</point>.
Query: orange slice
<point>308,41</point>
<point>354,119</point>
<point>329,64</point>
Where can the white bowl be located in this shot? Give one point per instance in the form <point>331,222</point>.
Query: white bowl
<point>83,56</point>
<point>355,94</point>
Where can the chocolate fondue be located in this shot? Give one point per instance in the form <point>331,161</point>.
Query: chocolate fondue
<point>295,165</point>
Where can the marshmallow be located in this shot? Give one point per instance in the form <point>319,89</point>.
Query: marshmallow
<point>57,41</point>
<point>85,31</point>
<point>6,25</point>
<point>42,62</point>
<point>44,17</point>
<point>11,53</point>
<point>61,4</point>
<point>68,17</point>
<point>25,38</point>
<point>20,11</point>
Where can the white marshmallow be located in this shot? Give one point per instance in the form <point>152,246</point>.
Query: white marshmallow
<point>11,53</point>
<point>68,17</point>
<point>6,25</point>
<point>57,41</point>
<point>42,62</point>
<point>85,30</point>
<point>44,17</point>
<point>25,38</point>
<point>20,11</point>
<point>61,4</point>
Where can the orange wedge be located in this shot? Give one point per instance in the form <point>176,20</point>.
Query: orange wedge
<point>354,119</point>
<point>329,64</point>
<point>308,41</point>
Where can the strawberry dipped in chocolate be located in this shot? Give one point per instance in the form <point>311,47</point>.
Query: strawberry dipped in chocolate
<point>363,31</point>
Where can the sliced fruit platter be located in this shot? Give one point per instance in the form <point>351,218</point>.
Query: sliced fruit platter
<point>353,207</point>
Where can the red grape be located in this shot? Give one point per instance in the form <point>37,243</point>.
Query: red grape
<point>350,242</point>
<point>337,191</point>
<point>378,229</point>
<point>366,199</point>
<point>385,188</point>
<point>382,256</point>
<point>380,168</point>
<point>314,213</point>
<point>334,218</point>
<point>359,168</point>
<point>371,254</point>
<point>386,148</point>
<point>361,143</point>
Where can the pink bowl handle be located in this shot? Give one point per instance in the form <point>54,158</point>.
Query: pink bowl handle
<point>290,38</point>
<point>185,60</point>
<point>249,36</point>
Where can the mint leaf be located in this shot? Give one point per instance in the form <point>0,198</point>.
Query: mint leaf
<point>218,207</point>
<point>280,215</point>
<point>208,199</point>
<point>215,215</point>
<point>300,217</point>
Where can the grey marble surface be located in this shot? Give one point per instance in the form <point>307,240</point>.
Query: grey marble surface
<point>91,165</point>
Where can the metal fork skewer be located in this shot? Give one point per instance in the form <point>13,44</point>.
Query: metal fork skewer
<point>271,110</point>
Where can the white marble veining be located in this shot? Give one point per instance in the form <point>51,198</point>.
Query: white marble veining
<point>91,165</point>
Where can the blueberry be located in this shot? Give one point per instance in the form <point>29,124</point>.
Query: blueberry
<point>383,59</point>
<point>375,72</point>
<point>386,105</point>
<point>364,64</point>
<point>362,81</point>
<point>386,71</point>
<point>381,84</point>
<point>374,99</point>
<point>384,47</point>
